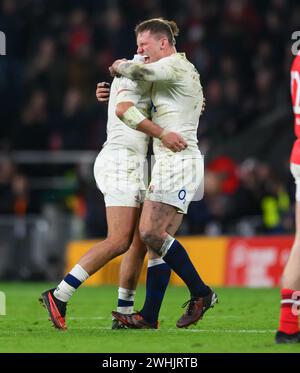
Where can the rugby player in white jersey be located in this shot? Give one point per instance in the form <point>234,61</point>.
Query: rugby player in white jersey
<point>121,138</point>
<point>119,173</point>
<point>177,101</point>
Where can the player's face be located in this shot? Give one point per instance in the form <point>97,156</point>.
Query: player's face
<point>149,45</point>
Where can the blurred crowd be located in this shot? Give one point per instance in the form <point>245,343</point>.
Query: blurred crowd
<point>243,199</point>
<point>56,52</point>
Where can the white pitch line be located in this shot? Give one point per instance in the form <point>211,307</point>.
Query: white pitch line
<point>69,318</point>
<point>8,318</point>
<point>77,318</point>
<point>87,318</point>
<point>254,331</point>
<point>177,331</point>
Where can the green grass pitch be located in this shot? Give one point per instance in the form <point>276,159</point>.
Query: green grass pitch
<point>244,321</point>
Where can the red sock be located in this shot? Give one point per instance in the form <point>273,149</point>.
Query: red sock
<point>288,320</point>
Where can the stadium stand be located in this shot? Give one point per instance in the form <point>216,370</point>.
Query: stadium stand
<point>52,126</point>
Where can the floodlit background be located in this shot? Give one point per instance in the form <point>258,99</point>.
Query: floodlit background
<point>52,127</point>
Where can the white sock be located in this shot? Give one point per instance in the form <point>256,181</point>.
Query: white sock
<point>126,295</point>
<point>66,288</point>
<point>166,245</point>
<point>155,262</point>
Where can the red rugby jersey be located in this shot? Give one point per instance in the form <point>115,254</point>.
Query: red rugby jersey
<point>295,92</point>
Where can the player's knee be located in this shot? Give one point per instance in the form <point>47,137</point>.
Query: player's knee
<point>123,246</point>
<point>145,236</point>
<point>120,245</point>
<point>139,250</point>
<point>151,238</point>
<point>145,233</point>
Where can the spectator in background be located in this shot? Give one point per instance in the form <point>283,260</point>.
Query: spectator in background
<point>275,202</point>
<point>32,132</point>
<point>7,170</point>
<point>20,195</point>
<point>214,112</point>
<point>47,71</point>
<point>73,121</point>
<point>213,205</point>
<point>15,197</point>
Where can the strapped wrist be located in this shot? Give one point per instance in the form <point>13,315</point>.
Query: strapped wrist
<point>132,117</point>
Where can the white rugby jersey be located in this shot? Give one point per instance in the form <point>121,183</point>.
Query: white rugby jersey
<point>118,134</point>
<point>177,96</point>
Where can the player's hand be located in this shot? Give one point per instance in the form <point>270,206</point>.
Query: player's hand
<point>174,142</point>
<point>102,92</point>
<point>113,69</point>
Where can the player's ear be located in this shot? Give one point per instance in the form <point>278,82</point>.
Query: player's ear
<point>163,43</point>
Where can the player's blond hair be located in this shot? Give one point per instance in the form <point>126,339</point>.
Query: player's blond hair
<point>159,26</point>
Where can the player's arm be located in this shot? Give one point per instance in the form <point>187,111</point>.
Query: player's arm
<point>102,92</point>
<point>150,72</point>
<point>133,118</point>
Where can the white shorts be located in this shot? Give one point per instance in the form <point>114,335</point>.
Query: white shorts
<point>295,170</point>
<point>176,181</point>
<point>120,177</point>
